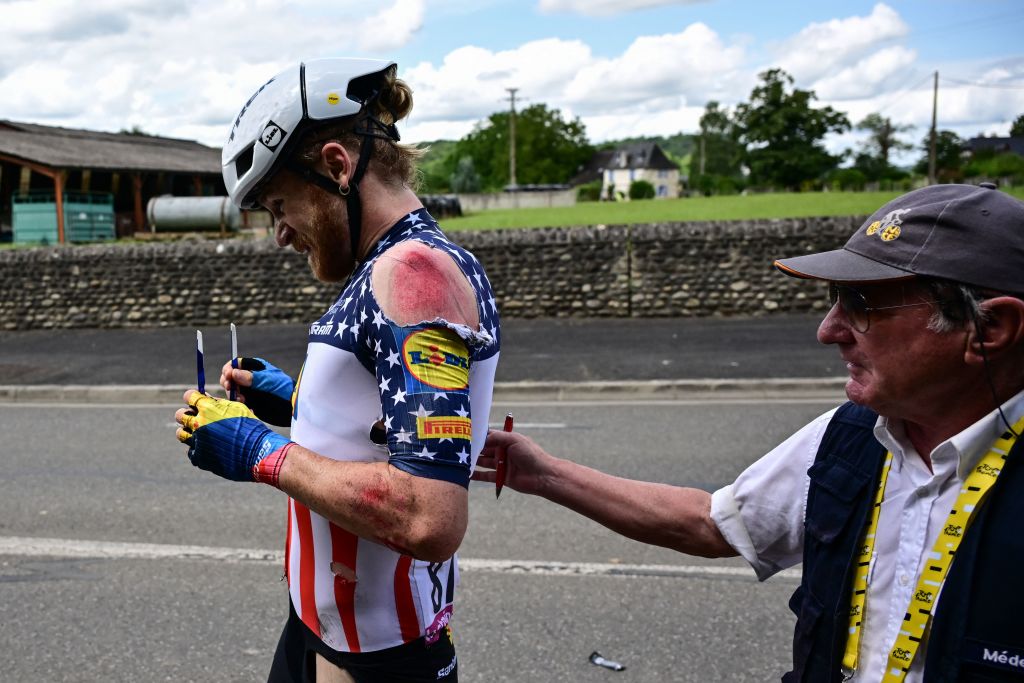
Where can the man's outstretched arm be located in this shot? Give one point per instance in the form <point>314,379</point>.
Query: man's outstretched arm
<point>670,516</point>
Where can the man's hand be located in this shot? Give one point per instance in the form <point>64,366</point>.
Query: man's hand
<point>528,465</point>
<point>263,387</point>
<point>226,438</point>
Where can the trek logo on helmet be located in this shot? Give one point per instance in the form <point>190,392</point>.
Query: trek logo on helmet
<point>272,136</point>
<point>238,119</point>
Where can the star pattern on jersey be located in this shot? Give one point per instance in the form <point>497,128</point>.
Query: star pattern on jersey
<point>421,412</point>
<point>410,409</point>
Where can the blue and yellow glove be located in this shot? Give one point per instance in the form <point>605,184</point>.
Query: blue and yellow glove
<point>270,395</point>
<point>226,438</point>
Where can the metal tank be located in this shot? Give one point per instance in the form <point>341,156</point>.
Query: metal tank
<point>169,214</point>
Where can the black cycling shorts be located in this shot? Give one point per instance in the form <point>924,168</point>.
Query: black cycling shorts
<point>413,662</point>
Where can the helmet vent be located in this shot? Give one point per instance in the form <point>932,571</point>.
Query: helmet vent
<point>243,162</point>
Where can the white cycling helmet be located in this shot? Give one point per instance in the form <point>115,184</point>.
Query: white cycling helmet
<point>315,92</point>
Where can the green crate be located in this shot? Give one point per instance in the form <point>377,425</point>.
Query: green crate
<point>88,217</point>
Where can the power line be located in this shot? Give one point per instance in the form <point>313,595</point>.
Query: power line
<point>1007,86</point>
<point>979,22</point>
<point>903,91</point>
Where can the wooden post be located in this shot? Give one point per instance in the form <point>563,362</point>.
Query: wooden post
<point>58,186</point>
<point>140,221</point>
<point>197,185</point>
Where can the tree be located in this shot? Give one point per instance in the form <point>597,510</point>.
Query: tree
<point>436,166</point>
<point>882,141</point>
<point>949,159</point>
<point>783,133</point>
<point>1017,129</point>
<point>716,160</point>
<point>465,178</point>
<point>548,148</point>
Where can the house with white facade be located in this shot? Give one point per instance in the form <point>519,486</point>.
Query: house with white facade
<point>639,161</point>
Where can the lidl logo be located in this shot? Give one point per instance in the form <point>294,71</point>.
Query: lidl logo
<point>437,357</point>
<point>444,428</point>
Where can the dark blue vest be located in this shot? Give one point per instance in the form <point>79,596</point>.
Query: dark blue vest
<point>977,632</point>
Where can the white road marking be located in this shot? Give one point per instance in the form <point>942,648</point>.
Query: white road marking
<point>709,400</point>
<point>18,546</point>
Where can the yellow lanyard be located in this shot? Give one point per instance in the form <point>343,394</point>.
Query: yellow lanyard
<point>918,617</point>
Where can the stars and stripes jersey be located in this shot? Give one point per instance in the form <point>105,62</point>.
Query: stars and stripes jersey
<point>427,388</point>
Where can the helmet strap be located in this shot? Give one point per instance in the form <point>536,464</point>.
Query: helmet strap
<point>353,201</point>
<point>370,129</point>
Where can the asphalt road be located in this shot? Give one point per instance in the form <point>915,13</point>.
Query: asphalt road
<point>528,607</point>
<point>565,350</point>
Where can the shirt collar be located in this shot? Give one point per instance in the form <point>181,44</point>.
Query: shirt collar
<point>967,446</point>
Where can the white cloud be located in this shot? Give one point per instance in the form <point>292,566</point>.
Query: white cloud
<point>393,26</point>
<point>653,80</point>
<point>172,67</point>
<point>693,64</point>
<point>595,8</point>
<point>874,74</point>
<point>820,49</point>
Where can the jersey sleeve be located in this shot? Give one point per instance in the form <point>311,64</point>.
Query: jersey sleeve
<point>423,379</point>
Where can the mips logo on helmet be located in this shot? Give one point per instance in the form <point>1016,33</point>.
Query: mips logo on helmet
<point>272,136</point>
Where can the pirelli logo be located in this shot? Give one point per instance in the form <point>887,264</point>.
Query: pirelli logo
<point>444,428</point>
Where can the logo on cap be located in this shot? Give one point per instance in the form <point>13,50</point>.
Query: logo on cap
<point>890,233</point>
<point>332,98</point>
<point>888,228</point>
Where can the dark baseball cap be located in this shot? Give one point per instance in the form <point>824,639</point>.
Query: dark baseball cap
<point>973,234</point>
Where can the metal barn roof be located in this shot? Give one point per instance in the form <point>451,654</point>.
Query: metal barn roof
<point>68,148</point>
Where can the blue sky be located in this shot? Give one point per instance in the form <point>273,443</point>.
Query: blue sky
<point>625,67</point>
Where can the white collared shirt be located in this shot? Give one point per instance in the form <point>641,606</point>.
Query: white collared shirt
<point>761,515</point>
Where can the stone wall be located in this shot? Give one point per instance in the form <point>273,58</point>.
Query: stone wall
<point>673,269</point>
<point>474,203</point>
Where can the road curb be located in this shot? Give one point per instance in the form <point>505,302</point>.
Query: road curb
<point>619,390</point>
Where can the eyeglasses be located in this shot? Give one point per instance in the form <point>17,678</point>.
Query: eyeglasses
<point>855,305</point>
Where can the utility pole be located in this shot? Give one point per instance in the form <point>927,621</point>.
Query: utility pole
<point>702,136</point>
<point>512,136</point>
<point>934,135</point>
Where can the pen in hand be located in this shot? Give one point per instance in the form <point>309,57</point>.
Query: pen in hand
<point>232,395</point>
<point>500,466</point>
<point>200,372</point>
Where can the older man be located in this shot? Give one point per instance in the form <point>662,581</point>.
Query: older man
<point>913,487</point>
<point>383,436</point>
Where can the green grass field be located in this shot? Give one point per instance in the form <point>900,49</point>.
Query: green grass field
<point>735,207</point>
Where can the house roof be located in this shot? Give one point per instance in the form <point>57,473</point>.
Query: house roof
<point>1015,145</point>
<point>593,169</point>
<point>641,155</point>
<point>66,148</point>
<point>637,155</point>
